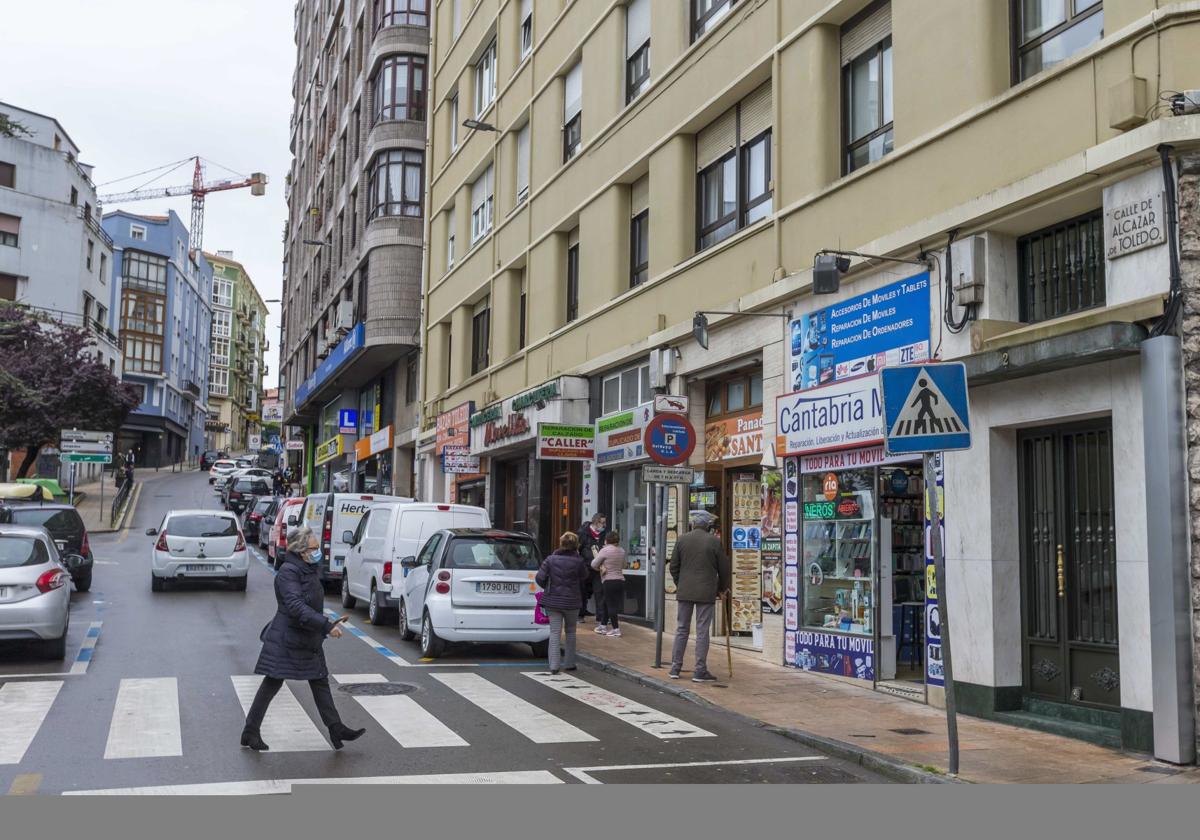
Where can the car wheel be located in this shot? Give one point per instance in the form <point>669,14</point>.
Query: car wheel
<point>406,635</point>
<point>84,582</point>
<point>431,645</point>
<point>540,649</point>
<point>157,584</point>
<point>239,584</point>
<point>378,614</point>
<point>348,600</point>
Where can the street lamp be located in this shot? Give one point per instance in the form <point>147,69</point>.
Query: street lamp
<point>317,242</point>
<point>830,264</point>
<point>477,125</point>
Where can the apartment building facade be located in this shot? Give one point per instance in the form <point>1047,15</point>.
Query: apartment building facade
<point>611,182</point>
<point>162,292</point>
<point>351,300</point>
<point>237,367</point>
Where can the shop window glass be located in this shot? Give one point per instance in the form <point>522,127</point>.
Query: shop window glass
<point>612,395</point>
<point>715,402</point>
<point>756,389</point>
<point>737,395</point>
<point>839,551</point>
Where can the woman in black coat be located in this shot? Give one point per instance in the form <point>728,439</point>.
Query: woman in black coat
<point>292,642</point>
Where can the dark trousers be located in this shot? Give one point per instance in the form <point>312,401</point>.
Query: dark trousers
<point>614,600</point>
<point>594,587</point>
<point>270,687</point>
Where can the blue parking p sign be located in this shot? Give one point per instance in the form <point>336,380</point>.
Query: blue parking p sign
<point>925,408</point>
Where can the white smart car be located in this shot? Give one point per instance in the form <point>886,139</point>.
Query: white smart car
<point>199,544</point>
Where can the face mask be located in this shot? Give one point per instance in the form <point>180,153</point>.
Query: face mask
<point>314,556</point>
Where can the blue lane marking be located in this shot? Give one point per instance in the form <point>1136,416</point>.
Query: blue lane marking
<point>385,651</point>
<point>93,632</point>
<point>85,655</point>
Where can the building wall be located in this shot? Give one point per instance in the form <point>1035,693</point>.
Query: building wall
<point>239,408</point>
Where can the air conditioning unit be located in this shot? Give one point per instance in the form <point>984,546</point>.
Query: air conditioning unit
<point>970,270</point>
<point>345,316</point>
<point>331,339</point>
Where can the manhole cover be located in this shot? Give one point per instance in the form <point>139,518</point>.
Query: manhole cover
<point>377,689</point>
<point>910,731</point>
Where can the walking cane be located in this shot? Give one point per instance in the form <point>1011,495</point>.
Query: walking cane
<point>728,645</point>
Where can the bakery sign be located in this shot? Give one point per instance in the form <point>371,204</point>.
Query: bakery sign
<point>733,438</point>
<point>1133,226</point>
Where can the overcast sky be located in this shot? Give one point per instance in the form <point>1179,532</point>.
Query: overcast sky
<point>142,83</point>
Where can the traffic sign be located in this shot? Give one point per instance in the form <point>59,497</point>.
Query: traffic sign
<point>925,408</point>
<point>93,443</point>
<point>86,458</point>
<point>670,404</point>
<point>669,439</point>
<point>655,474</point>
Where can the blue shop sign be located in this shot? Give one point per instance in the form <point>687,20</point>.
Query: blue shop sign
<point>349,347</point>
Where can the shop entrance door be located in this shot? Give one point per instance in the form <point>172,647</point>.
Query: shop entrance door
<point>1068,565</point>
<point>564,515</point>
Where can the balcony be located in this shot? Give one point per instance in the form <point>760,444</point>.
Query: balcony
<point>90,222</point>
<point>192,388</point>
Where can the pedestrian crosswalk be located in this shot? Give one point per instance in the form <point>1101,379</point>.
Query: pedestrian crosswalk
<point>145,720</point>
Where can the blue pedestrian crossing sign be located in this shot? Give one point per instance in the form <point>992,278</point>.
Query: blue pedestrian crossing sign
<point>925,408</point>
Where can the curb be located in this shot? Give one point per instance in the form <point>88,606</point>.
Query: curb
<point>853,753</point>
<point>130,504</point>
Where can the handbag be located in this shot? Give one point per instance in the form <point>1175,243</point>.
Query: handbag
<point>539,617</point>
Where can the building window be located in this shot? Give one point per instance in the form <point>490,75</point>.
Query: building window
<point>147,272</point>
<point>10,230</point>
<point>450,223</point>
<point>1049,31</point>
<point>396,182</point>
<point>456,17</point>
<point>354,217</point>
<point>521,323</point>
<point>637,48</point>
<point>523,163</point>
<point>88,300</point>
<point>222,293</point>
<point>218,382</point>
<point>733,159</point>
<point>454,121</point>
<point>639,249</point>
<point>481,205</point>
<point>91,252</point>
<point>142,328</point>
<point>401,13</point>
<point>103,268</point>
<point>626,389</point>
<point>74,196</point>
<point>573,111</point>
<point>220,352</point>
<point>480,326</point>
<point>734,393</point>
<point>706,14</point>
<point>526,27</point>
<point>485,79</point>
<point>8,175</point>
<point>573,276</point>
<point>102,316</point>
<point>8,287</point>
<point>1061,268</point>
<point>137,233</point>
<point>867,86</point>
<point>221,323</point>
<point>400,88</point>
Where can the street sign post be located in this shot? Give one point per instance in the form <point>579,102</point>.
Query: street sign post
<point>925,410</point>
<point>655,474</point>
<point>84,458</point>
<point>669,439</point>
<point>87,447</point>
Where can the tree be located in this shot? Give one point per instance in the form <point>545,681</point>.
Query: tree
<point>11,128</point>
<point>50,379</point>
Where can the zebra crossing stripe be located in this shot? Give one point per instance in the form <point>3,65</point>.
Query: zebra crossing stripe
<point>537,725</point>
<point>406,721</point>
<point>23,707</point>
<point>650,721</point>
<point>145,720</point>
<point>283,786</point>
<point>286,727</point>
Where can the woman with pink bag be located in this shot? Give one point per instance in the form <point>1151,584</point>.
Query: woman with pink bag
<point>561,576</point>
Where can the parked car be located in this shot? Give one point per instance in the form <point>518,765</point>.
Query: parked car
<point>245,462</point>
<point>261,513</point>
<point>35,598</point>
<point>388,532</point>
<point>238,491</point>
<point>472,585</point>
<point>203,544</point>
<point>66,528</point>
<point>210,457</point>
<point>255,472</point>
<point>331,515</point>
<point>277,543</point>
<point>220,469</point>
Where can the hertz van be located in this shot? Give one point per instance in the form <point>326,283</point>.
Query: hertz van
<point>330,516</point>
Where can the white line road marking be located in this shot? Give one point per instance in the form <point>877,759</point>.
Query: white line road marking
<point>277,786</point>
<point>537,725</point>
<point>84,657</point>
<point>145,720</point>
<point>650,721</point>
<point>287,727</point>
<point>584,773</point>
<point>23,708</point>
<point>407,722</point>
<point>346,679</point>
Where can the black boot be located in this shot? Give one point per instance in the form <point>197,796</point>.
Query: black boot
<point>340,732</point>
<point>251,739</point>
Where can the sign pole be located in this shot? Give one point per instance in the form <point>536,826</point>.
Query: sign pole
<point>655,570</point>
<point>660,573</point>
<point>939,568</point>
<point>102,491</point>
<point>71,492</point>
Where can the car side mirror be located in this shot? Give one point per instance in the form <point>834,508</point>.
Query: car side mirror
<point>348,537</point>
<point>151,532</point>
<point>409,563</point>
<point>73,559</point>
<point>293,521</point>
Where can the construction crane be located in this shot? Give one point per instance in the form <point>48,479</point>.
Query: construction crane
<point>199,188</point>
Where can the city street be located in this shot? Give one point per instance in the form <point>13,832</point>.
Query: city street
<point>148,701</point>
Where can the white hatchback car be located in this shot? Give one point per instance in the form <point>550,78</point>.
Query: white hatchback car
<point>199,544</point>
<point>35,589</point>
<point>472,585</point>
<point>220,469</point>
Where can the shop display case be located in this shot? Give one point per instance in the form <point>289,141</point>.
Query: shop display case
<point>839,551</point>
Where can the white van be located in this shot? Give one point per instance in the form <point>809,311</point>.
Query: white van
<point>387,534</point>
<point>330,516</point>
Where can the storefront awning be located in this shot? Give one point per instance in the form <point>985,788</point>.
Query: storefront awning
<point>1095,344</point>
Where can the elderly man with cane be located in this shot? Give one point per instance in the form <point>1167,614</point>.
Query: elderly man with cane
<point>701,573</point>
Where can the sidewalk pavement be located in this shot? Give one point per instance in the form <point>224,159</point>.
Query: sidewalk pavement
<point>863,723</point>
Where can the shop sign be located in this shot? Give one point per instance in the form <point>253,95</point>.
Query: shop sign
<point>294,446</point>
<point>545,393</point>
<point>656,474</point>
<point>459,460</point>
<point>849,459</point>
<point>272,411</point>
<point>669,439</point>
<point>671,404</point>
<point>831,653</point>
<point>934,674</point>
<point>328,450</point>
<point>558,442</point>
<point>744,537</point>
<point>619,436</point>
<point>885,326</point>
<point>495,432</point>
<point>1131,227</point>
<point>453,428</point>
<point>349,347</point>
<point>487,415</point>
<point>844,415</point>
<point>516,419</point>
<point>734,437</point>
<point>381,441</point>
<point>348,421</point>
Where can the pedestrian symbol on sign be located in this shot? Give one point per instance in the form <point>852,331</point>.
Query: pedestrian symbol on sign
<point>933,414</point>
<point>925,408</point>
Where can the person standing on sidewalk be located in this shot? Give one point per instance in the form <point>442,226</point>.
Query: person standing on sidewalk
<point>610,561</point>
<point>561,577</point>
<point>591,539</point>
<point>701,574</point>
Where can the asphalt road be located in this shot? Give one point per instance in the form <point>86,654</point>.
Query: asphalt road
<point>147,701</point>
